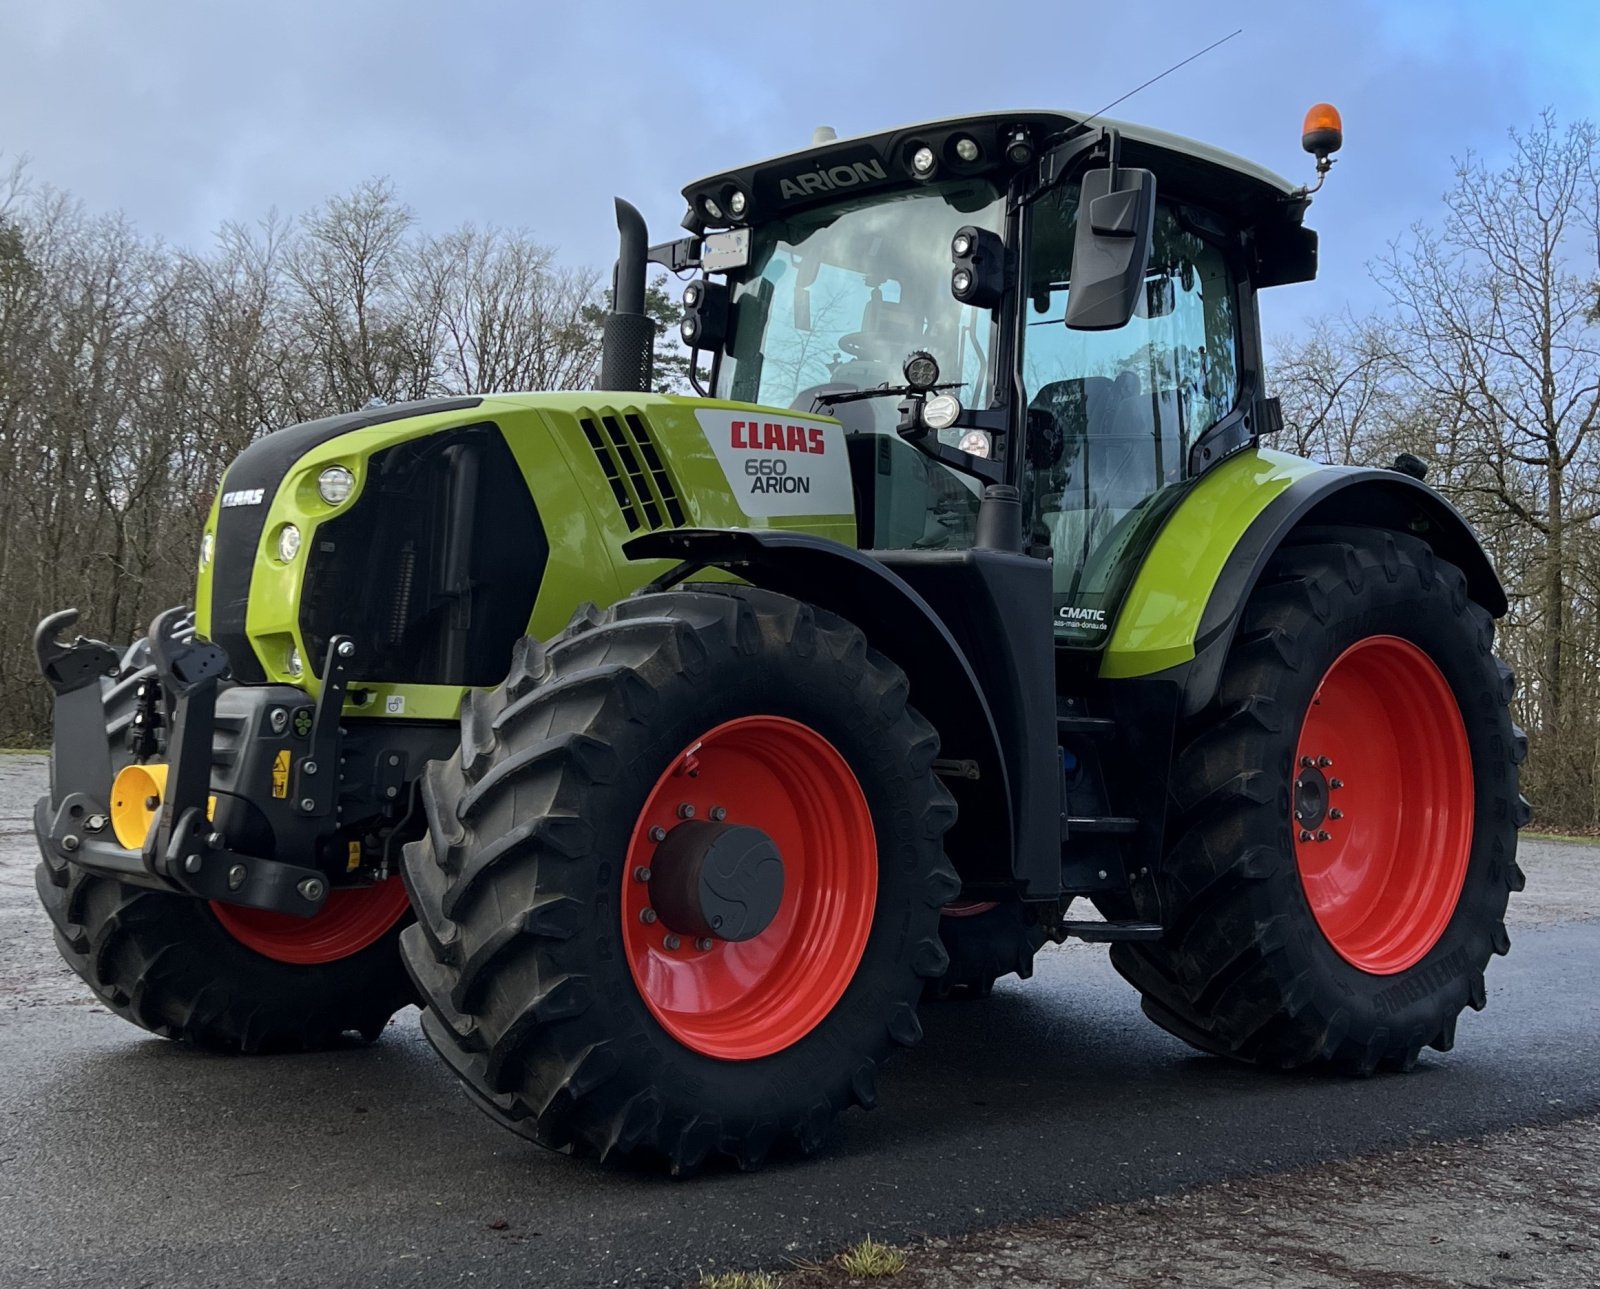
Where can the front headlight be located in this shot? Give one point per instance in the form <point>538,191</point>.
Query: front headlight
<point>288,543</point>
<point>292,663</point>
<point>335,484</point>
<point>208,546</point>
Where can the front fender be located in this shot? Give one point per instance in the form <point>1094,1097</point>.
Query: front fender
<point>1185,601</point>
<point>1002,836</point>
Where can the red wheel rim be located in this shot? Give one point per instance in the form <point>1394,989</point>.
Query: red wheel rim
<point>1383,804</point>
<point>350,920</point>
<point>738,1001</point>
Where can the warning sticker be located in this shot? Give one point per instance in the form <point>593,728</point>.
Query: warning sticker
<point>280,774</point>
<point>792,466</point>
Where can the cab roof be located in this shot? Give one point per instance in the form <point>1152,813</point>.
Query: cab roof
<point>1242,193</point>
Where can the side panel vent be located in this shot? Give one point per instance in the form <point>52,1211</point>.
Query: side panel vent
<point>644,491</point>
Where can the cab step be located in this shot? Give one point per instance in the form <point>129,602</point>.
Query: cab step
<point>1118,825</point>
<point>1087,726</point>
<point>1105,932</point>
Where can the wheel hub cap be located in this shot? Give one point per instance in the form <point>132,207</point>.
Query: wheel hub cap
<point>717,879</point>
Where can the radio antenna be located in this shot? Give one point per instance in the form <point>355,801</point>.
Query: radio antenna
<point>1154,79</point>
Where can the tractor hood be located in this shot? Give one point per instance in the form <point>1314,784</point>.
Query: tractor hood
<point>470,522</point>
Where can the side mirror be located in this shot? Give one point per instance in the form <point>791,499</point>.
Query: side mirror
<point>1111,247</point>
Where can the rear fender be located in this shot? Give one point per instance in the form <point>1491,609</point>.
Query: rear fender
<point>1181,614</point>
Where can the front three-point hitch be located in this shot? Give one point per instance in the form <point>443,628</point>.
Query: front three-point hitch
<point>163,822</point>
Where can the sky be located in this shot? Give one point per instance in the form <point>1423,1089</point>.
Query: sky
<point>184,114</point>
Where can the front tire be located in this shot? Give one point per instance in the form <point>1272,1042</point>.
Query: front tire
<point>1348,807</point>
<point>220,977</point>
<point>563,982</point>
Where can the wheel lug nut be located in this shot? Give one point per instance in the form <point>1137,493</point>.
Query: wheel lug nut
<point>1336,814</point>
<point>1305,835</point>
<point>658,833</point>
<point>641,874</point>
<point>718,814</point>
<point>672,942</point>
<point>647,916</point>
<point>703,943</point>
<point>685,811</point>
<point>1307,762</point>
<point>1324,762</point>
<point>1336,783</point>
<point>1324,836</point>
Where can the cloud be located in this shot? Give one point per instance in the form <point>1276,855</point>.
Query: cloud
<point>534,115</point>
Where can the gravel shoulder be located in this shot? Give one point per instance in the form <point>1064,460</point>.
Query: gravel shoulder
<point>1515,1208</point>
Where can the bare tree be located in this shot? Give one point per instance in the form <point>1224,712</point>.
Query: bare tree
<point>1494,324</point>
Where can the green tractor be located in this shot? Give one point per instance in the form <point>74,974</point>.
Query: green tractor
<point>962,593</point>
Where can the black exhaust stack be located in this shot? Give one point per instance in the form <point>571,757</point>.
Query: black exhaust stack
<point>627,356</point>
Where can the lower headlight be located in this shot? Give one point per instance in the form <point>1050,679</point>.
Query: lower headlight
<point>288,543</point>
<point>292,663</point>
<point>208,546</point>
<point>976,443</point>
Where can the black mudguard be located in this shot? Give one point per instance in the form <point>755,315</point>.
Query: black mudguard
<point>971,629</point>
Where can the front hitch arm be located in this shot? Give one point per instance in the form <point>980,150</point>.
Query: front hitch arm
<point>189,668</point>
<point>187,850</point>
<point>81,765</point>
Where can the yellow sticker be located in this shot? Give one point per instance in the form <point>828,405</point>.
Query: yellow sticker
<point>354,860</point>
<point>280,774</point>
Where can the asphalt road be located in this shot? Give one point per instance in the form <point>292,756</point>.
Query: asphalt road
<point>126,1160</point>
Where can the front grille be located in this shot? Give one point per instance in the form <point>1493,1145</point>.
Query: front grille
<point>644,491</point>
<point>433,569</point>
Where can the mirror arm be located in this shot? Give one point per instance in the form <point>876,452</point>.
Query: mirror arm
<point>1056,164</point>
<point>676,256</point>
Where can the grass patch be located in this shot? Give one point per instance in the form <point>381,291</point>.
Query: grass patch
<point>1581,839</point>
<point>741,1280</point>
<point>872,1261</point>
<point>23,751</point>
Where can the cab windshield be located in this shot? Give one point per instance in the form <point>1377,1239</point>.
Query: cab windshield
<point>835,298</point>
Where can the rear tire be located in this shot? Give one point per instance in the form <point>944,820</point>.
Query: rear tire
<point>166,962</point>
<point>1349,939</point>
<point>550,989</point>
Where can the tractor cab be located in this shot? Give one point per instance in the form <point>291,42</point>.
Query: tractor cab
<point>920,286</point>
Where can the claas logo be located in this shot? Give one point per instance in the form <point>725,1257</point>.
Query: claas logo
<point>774,436</point>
